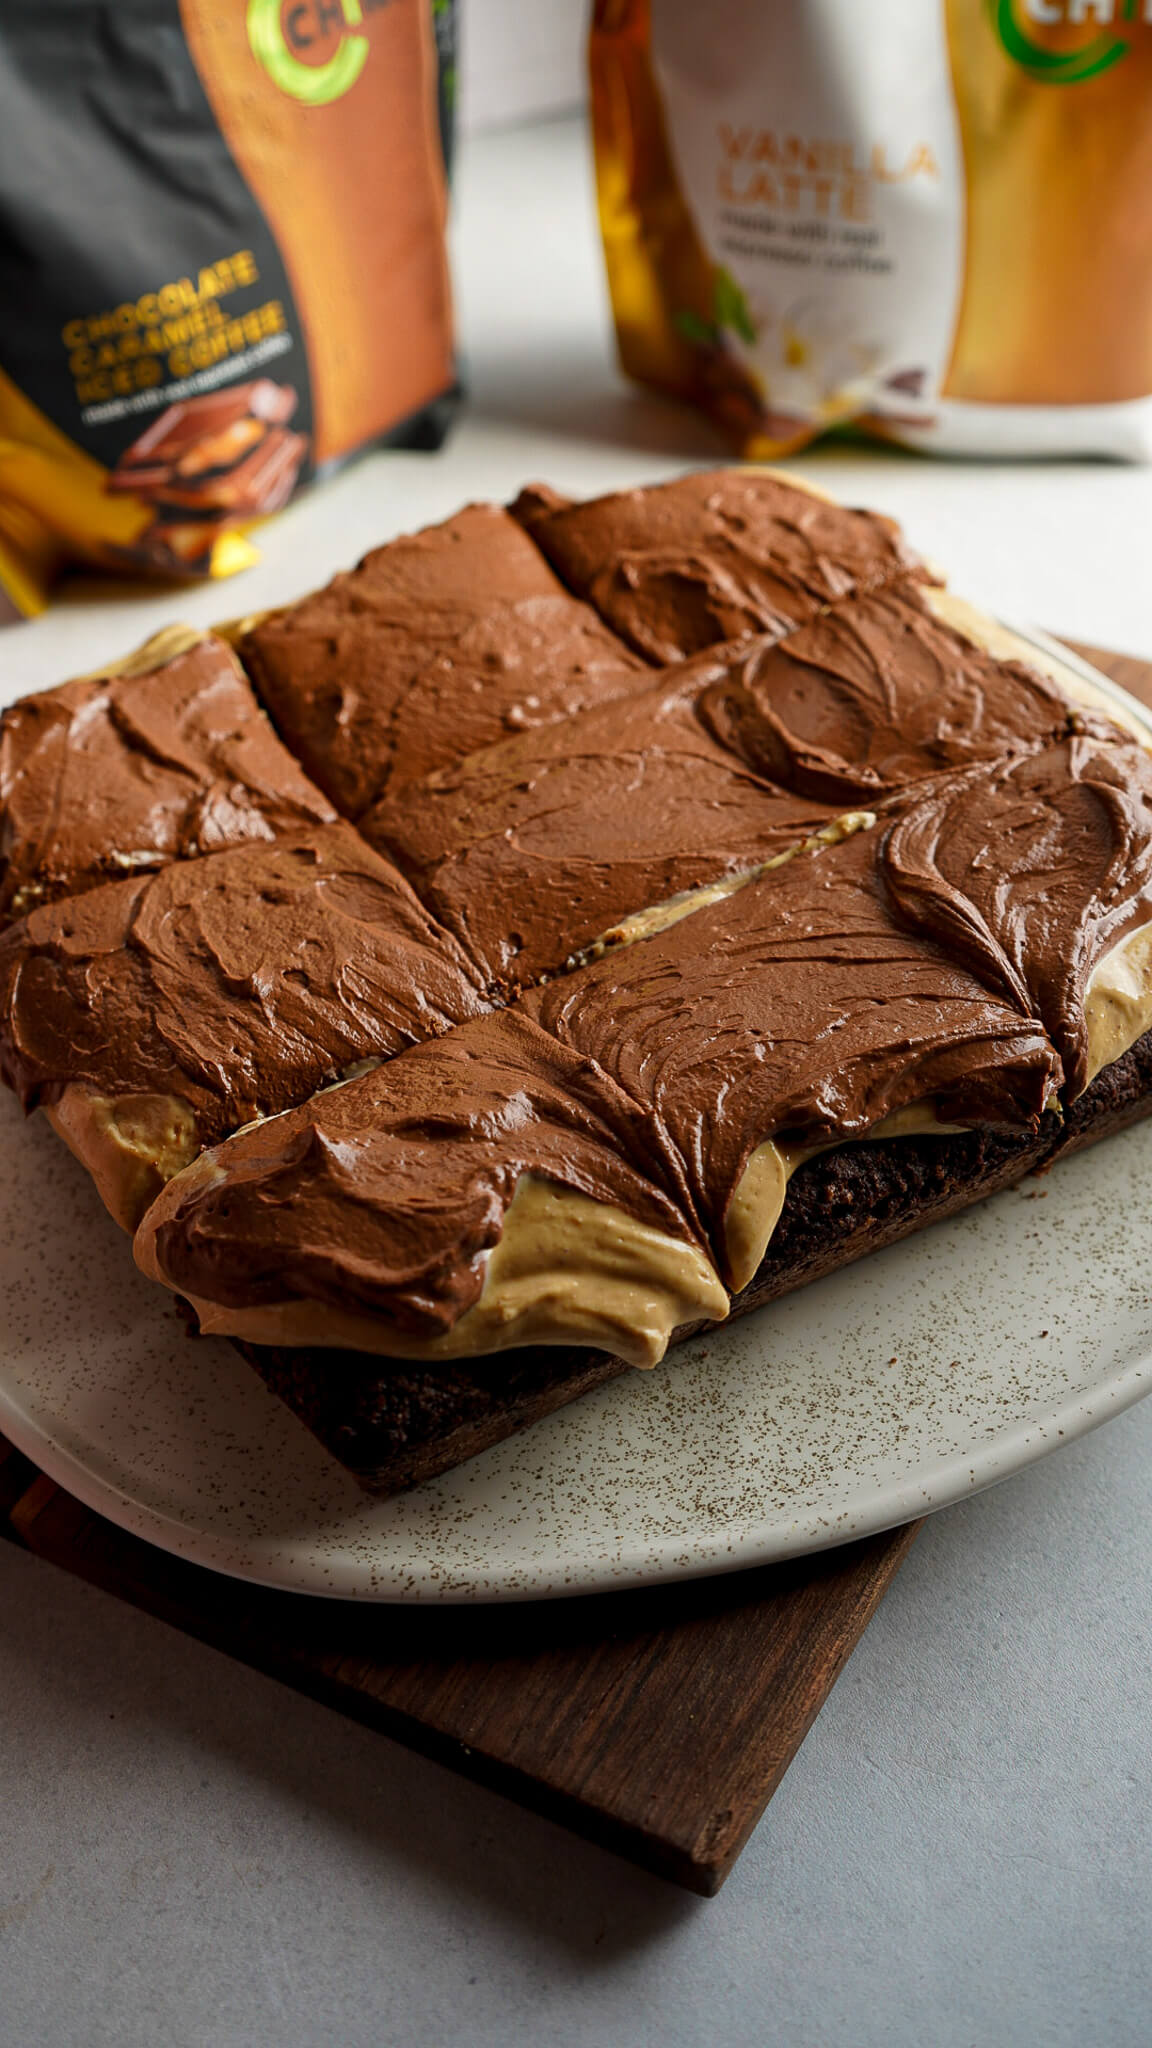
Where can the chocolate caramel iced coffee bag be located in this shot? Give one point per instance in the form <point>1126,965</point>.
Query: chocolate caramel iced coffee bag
<point>929,218</point>
<point>222,268</point>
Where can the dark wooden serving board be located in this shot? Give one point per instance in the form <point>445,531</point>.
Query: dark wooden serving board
<point>658,1723</point>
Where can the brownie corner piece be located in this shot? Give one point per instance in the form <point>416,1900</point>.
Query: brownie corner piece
<point>163,755</point>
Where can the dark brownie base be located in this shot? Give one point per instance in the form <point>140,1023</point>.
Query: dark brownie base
<point>393,1425</point>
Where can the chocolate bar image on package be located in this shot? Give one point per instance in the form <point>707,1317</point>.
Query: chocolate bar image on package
<point>745,965</point>
<point>201,435</point>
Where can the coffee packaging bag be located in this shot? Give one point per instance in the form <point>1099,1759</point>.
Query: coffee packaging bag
<point>931,219</point>
<point>222,268</point>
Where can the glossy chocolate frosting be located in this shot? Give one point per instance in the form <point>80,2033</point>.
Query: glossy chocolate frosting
<point>238,984</point>
<point>712,556</point>
<point>438,643</point>
<point>533,849</point>
<point>1031,871</point>
<point>799,1007</point>
<point>168,757</point>
<point>877,693</point>
<point>384,1195</point>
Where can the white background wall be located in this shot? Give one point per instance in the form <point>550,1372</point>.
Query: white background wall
<point>520,58</point>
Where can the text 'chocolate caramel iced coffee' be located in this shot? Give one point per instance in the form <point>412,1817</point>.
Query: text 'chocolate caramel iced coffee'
<point>238,281</point>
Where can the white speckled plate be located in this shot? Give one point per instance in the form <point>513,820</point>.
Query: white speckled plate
<point>886,1391</point>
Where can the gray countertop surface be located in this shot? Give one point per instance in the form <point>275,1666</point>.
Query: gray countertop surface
<point>962,1852</point>
<point>959,1855</point>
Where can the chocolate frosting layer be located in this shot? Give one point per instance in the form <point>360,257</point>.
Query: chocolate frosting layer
<point>646,1081</point>
<point>1030,871</point>
<point>797,1007</point>
<point>533,849</point>
<point>877,693</point>
<point>712,556</point>
<point>384,1195</point>
<point>238,984</point>
<point>438,643</point>
<point>170,757</point>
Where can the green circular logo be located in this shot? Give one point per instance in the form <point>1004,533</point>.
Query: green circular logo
<point>1056,67</point>
<point>314,84</point>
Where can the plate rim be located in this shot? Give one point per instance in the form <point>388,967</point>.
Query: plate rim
<point>958,1477</point>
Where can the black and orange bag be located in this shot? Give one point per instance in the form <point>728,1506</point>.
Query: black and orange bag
<point>222,268</point>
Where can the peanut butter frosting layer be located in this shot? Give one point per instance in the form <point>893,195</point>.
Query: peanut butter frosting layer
<point>796,1006</point>
<point>876,694</point>
<point>713,556</point>
<point>1031,872</point>
<point>230,987</point>
<point>385,1197</point>
<point>532,850</point>
<point>166,755</point>
<point>439,643</point>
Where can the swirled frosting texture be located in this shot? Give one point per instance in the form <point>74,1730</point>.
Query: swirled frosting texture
<point>800,1006</point>
<point>714,556</point>
<point>436,644</point>
<point>1030,871</point>
<point>168,757</point>
<point>385,1195</point>
<point>532,850</point>
<point>878,693</point>
<point>237,984</point>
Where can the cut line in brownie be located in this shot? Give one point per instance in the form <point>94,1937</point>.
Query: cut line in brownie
<point>533,850</point>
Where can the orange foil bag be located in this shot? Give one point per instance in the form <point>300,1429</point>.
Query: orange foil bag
<point>928,218</point>
<point>222,268</point>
